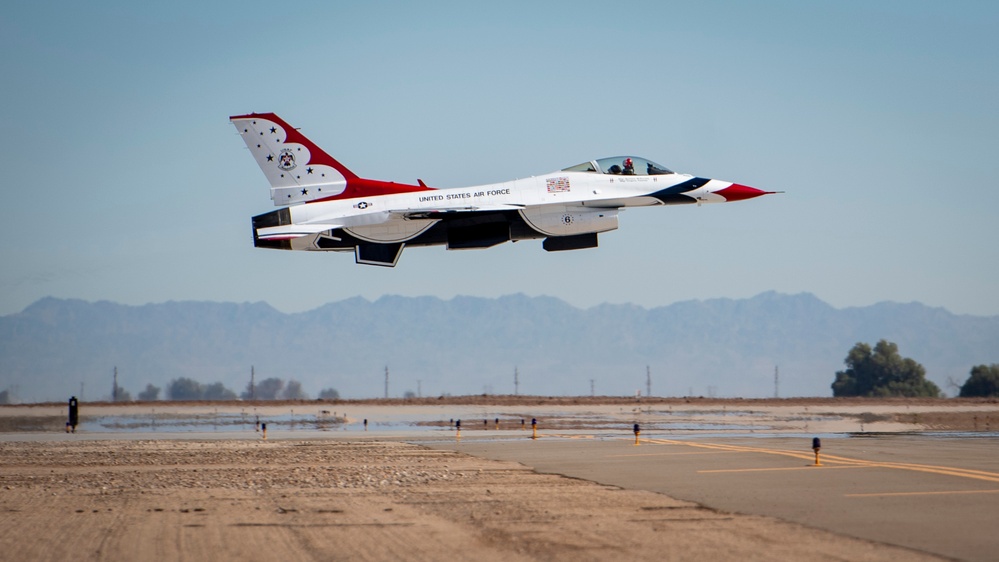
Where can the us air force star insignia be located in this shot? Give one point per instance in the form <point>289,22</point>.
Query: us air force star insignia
<point>361,205</point>
<point>286,160</point>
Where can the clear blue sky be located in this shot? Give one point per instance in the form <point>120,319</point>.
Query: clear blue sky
<point>124,181</point>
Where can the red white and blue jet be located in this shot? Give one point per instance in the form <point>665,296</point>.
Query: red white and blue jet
<point>327,207</point>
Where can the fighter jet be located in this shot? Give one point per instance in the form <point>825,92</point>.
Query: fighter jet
<point>327,207</point>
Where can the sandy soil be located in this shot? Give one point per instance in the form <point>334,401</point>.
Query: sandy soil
<point>342,500</point>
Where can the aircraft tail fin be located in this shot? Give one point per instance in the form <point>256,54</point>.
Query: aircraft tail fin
<point>297,169</point>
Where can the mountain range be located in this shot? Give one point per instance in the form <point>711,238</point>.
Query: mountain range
<point>788,345</point>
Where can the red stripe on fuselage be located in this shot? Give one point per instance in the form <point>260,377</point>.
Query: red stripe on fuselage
<point>360,187</point>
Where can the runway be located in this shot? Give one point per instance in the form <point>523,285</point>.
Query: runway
<point>934,494</point>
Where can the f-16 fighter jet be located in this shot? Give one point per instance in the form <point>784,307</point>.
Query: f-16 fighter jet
<point>327,207</point>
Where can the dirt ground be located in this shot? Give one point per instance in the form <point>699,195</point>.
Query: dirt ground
<point>355,500</point>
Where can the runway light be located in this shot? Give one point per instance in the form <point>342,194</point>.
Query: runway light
<point>637,433</point>
<point>816,445</point>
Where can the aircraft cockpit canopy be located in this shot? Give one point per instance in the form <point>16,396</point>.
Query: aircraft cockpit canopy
<point>621,165</point>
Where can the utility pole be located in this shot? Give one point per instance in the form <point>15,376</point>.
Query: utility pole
<point>253,391</point>
<point>592,393</point>
<point>648,381</point>
<point>419,388</point>
<point>776,383</point>
<point>114,389</point>
<point>386,381</point>
<point>516,382</point>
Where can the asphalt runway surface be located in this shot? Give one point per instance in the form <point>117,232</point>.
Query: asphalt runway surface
<point>936,494</point>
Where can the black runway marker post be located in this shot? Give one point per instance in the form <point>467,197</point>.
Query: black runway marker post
<point>74,415</point>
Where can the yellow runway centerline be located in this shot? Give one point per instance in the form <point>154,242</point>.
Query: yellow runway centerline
<point>667,454</point>
<point>806,467</point>
<point>938,493</point>
<point>839,461</point>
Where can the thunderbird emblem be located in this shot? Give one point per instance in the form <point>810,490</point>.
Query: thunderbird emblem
<point>286,160</point>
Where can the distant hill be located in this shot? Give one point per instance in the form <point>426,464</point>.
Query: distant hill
<point>466,345</point>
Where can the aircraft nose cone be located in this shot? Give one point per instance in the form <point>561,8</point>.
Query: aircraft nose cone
<point>738,192</point>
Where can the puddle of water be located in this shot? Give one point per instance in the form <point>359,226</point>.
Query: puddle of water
<point>208,423</point>
<point>196,423</point>
<point>475,423</point>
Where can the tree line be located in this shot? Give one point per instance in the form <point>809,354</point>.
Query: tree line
<point>184,388</point>
<point>882,372</point>
<point>878,372</point>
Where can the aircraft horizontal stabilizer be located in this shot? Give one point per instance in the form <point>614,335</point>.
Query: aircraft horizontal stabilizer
<point>289,231</point>
<point>437,213</point>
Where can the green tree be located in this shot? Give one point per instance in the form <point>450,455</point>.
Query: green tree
<point>882,372</point>
<point>184,389</point>
<point>150,393</point>
<point>984,381</point>
<point>217,391</point>
<point>293,391</point>
<point>269,389</point>
<point>329,394</point>
<point>121,395</point>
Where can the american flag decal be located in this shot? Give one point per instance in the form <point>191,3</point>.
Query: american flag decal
<point>557,185</point>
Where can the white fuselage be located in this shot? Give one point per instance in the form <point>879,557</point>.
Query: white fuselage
<point>573,189</point>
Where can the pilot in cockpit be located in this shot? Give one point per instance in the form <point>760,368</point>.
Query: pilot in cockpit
<point>629,167</point>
